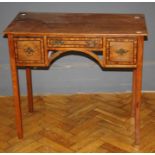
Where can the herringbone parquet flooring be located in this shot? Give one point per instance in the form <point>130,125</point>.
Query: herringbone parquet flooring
<point>78,123</point>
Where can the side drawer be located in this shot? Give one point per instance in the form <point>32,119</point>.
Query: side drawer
<point>121,52</point>
<point>29,51</point>
<point>75,42</point>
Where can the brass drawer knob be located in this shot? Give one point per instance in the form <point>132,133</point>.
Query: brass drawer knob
<point>121,51</point>
<point>57,42</point>
<point>91,43</point>
<point>29,51</point>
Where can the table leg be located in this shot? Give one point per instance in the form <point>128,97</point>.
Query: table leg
<point>16,91</point>
<point>17,102</point>
<point>138,84</point>
<point>137,105</point>
<point>29,89</point>
<point>133,93</point>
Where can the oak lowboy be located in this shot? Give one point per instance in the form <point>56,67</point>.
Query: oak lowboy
<point>36,39</point>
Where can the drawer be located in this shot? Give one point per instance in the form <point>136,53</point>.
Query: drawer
<point>29,51</point>
<point>121,51</point>
<point>75,42</point>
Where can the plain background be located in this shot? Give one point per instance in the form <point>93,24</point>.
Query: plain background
<point>73,73</point>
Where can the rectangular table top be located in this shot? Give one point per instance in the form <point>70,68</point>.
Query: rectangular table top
<point>78,23</point>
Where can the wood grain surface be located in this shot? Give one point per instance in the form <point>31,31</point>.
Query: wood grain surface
<point>78,23</point>
<point>78,123</point>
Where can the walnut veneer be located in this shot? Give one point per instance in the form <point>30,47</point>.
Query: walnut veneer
<point>36,39</point>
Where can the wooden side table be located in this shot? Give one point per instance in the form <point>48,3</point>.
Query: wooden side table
<point>36,39</point>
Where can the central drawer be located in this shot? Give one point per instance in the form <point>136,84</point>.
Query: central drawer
<point>75,42</point>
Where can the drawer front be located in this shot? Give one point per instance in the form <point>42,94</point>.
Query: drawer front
<point>29,51</point>
<point>121,51</point>
<point>75,42</point>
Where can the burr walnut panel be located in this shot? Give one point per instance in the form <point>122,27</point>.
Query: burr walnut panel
<point>29,51</point>
<point>121,51</point>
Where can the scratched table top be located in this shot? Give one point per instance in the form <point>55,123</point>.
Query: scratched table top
<point>78,23</point>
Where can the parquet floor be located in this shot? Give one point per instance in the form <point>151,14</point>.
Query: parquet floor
<point>78,123</point>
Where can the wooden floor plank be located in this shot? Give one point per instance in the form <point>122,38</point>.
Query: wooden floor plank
<point>78,123</point>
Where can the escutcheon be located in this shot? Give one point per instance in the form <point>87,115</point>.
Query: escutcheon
<point>122,51</point>
<point>29,51</point>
